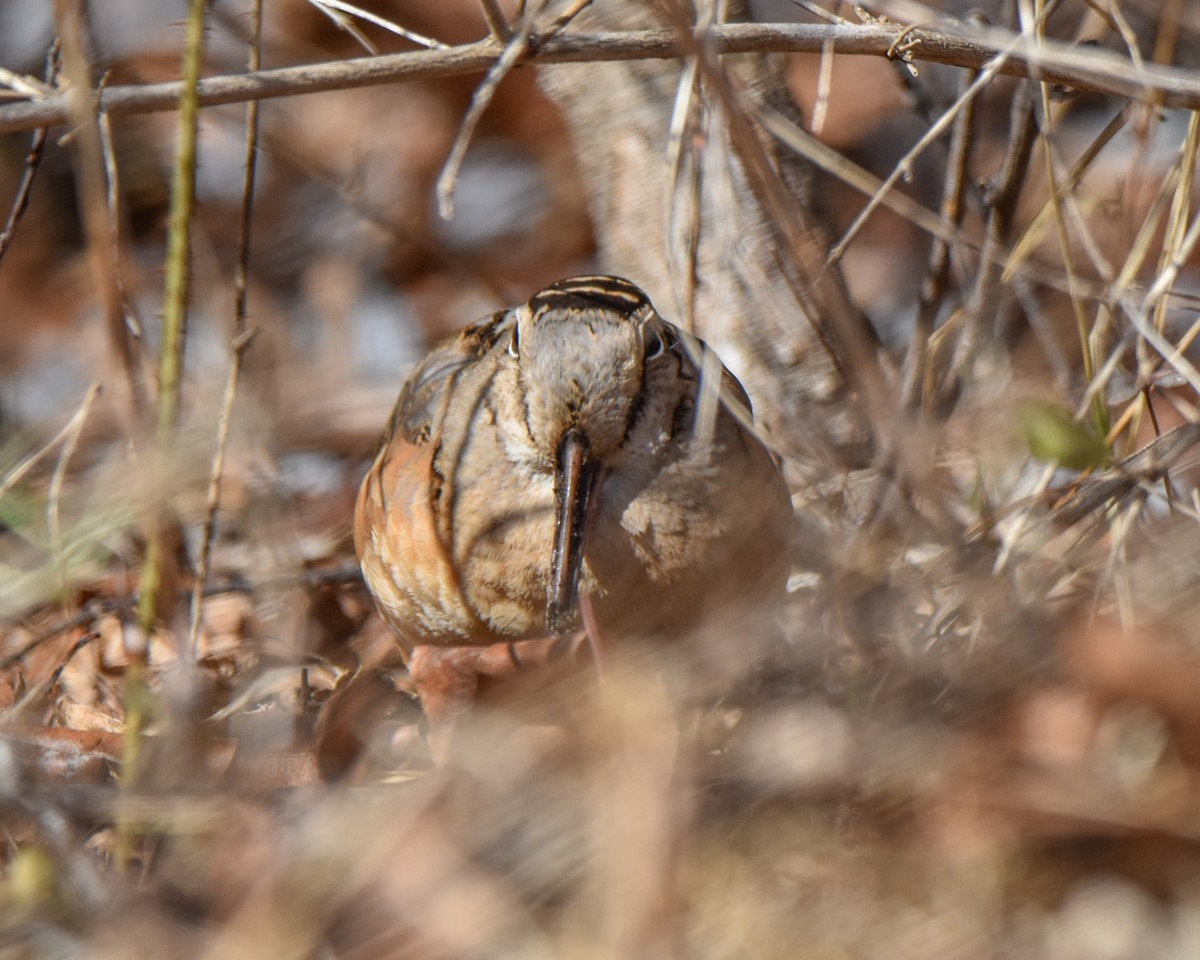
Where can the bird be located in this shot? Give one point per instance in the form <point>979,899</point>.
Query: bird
<point>554,472</point>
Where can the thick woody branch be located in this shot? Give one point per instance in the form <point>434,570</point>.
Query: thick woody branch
<point>1072,67</point>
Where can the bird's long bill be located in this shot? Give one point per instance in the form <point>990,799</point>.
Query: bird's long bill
<point>574,482</point>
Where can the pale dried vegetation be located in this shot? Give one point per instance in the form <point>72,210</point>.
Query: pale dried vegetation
<point>979,735</point>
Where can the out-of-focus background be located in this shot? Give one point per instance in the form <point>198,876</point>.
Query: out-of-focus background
<point>980,735</point>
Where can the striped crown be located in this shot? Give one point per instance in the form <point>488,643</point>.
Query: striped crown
<point>612,293</point>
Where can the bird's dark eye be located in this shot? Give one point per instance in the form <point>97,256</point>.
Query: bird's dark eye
<point>514,349</point>
<point>656,346</point>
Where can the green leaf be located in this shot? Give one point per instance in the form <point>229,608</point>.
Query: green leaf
<point>1054,436</point>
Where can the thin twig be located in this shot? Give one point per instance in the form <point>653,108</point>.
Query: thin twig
<point>1057,63</point>
<point>563,20</point>
<point>1139,314</point>
<point>129,344</point>
<point>933,290</point>
<point>183,200</point>
<point>497,26</point>
<point>1002,200</point>
<point>515,50</point>
<point>89,637</point>
<point>683,257</point>
<point>332,7</point>
<point>819,12</point>
<point>903,168</point>
<point>1058,200</point>
<point>26,86</point>
<point>1032,234</point>
<point>91,179</point>
<point>824,84</point>
<point>240,342</point>
<point>33,159</point>
<point>345,23</point>
<point>92,611</point>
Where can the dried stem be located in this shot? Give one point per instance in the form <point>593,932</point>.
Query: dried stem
<point>33,159</point>
<point>933,290</point>
<point>241,337</point>
<point>126,331</point>
<point>170,369</point>
<point>1002,201</point>
<point>91,181</point>
<point>838,325</point>
<point>497,25</point>
<point>340,12</point>
<point>515,50</point>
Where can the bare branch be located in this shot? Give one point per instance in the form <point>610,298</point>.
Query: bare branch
<point>1055,63</point>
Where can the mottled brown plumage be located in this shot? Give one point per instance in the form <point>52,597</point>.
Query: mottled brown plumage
<point>554,452</point>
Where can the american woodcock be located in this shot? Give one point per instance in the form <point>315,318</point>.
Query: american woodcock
<point>559,457</point>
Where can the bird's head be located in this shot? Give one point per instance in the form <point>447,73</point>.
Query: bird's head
<point>581,349</point>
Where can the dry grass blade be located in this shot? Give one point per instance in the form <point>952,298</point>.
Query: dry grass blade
<point>345,23</point>
<point>853,175</point>
<point>1032,234</point>
<point>1111,12</point>
<point>1140,310</point>
<point>1140,314</point>
<point>1181,205</point>
<point>54,495</point>
<point>69,429</point>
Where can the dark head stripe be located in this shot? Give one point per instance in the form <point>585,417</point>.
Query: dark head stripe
<point>613,293</point>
